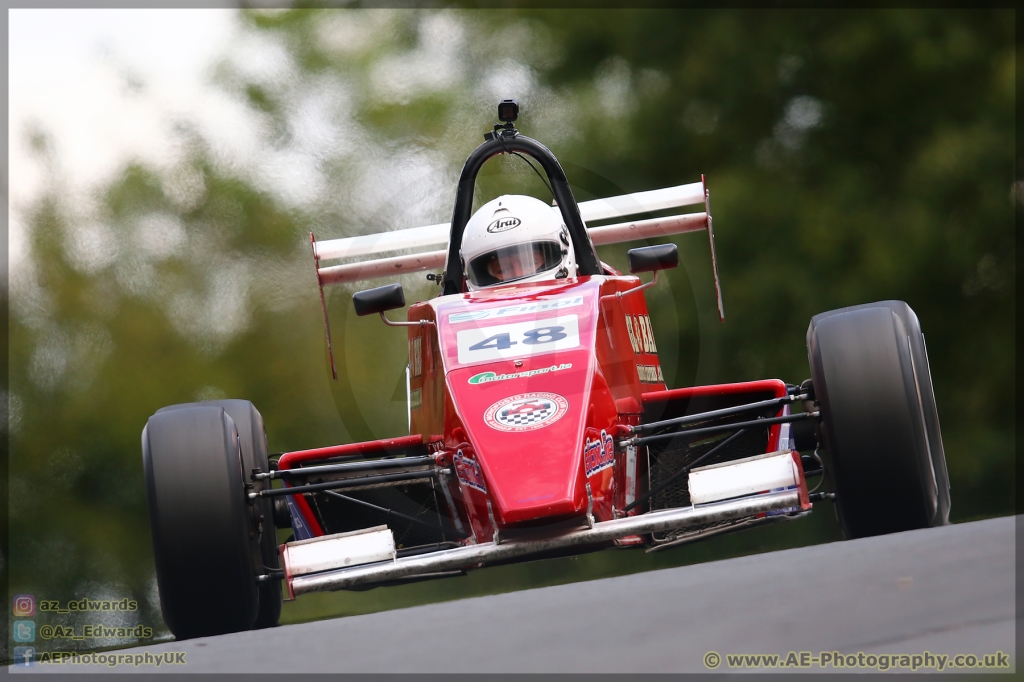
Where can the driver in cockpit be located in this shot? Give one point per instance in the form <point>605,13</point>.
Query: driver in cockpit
<point>516,239</point>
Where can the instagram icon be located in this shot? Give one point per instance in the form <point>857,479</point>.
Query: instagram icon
<point>24,605</point>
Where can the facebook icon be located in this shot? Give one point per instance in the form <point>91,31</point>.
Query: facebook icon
<point>24,656</point>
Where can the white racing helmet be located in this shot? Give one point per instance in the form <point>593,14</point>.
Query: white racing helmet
<point>516,239</point>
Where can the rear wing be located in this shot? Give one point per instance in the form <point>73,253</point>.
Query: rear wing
<point>423,238</point>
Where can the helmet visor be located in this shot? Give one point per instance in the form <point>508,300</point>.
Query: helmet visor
<point>514,262</point>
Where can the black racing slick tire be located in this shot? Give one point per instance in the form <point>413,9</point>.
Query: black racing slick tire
<point>201,521</point>
<point>880,426</point>
<point>252,435</point>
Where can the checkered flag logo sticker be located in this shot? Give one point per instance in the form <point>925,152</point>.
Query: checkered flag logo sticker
<point>526,411</point>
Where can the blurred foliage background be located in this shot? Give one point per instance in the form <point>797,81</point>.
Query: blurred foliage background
<point>852,156</point>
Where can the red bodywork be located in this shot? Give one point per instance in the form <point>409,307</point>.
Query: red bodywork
<point>521,390</point>
<point>567,373</point>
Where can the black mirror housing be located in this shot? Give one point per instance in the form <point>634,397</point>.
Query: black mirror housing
<point>652,258</point>
<point>387,297</point>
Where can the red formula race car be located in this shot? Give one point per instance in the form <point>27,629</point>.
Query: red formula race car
<point>539,421</point>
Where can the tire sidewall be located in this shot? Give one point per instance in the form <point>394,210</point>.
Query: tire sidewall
<point>198,517</point>
<point>253,445</point>
<point>868,386</point>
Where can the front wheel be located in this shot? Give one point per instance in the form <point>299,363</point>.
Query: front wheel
<point>879,423</point>
<point>205,550</point>
<point>252,440</point>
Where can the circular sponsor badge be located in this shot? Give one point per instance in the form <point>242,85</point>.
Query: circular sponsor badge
<point>526,411</point>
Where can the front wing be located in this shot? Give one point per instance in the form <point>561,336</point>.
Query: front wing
<point>793,498</point>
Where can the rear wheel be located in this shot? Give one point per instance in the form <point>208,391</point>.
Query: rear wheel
<point>881,430</point>
<point>205,532</point>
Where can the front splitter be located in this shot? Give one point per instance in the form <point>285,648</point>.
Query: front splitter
<point>475,555</point>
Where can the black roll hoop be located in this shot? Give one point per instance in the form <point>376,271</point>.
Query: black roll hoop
<point>509,140</point>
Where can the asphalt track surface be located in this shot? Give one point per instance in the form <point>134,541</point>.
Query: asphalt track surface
<point>946,590</point>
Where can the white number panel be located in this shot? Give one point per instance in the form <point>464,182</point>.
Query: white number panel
<point>509,341</point>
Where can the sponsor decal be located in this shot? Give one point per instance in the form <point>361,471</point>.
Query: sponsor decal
<point>469,472</point>
<point>504,224</point>
<point>641,334</point>
<point>650,374</point>
<point>416,356</point>
<point>537,498</point>
<point>519,309</point>
<point>415,398</point>
<point>488,377</point>
<point>598,454</point>
<point>526,411</point>
<point>518,339</point>
<point>630,474</point>
<point>787,510</point>
<point>300,528</point>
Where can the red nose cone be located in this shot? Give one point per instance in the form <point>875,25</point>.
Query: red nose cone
<point>527,430</point>
<point>519,369</point>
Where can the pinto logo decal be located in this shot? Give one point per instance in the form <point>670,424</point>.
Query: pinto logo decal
<point>488,377</point>
<point>526,412</point>
<point>641,334</point>
<point>518,309</point>
<point>469,472</point>
<point>598,454</point>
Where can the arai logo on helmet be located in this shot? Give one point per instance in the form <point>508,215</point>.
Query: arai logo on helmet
<point>502,224</point>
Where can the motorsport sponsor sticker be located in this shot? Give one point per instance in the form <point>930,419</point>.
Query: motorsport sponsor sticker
<point>519,309</point>
<point>469,472</point>
<point>650,374</point>
<point>641,334</point>
<point>300,527</point>
<point>488,377</point>
<point>598,454</point>
<point>526,411</point>
<point>416,356</point>
<point>630,473</point>
<point>536,498</point>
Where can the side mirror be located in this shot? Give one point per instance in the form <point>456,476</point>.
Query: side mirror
<point>387,297</point>
<point>653,258</point>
